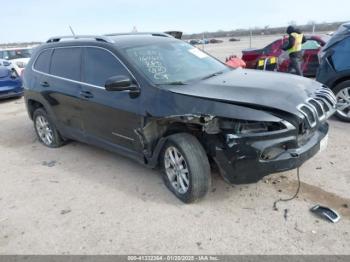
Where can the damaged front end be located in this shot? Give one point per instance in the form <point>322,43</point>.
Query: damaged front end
<point>247,143</point>
<point>246,157</point>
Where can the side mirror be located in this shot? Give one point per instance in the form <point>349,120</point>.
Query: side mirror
<point>120,83</point>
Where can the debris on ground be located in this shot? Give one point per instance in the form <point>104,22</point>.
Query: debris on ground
<point>296,228</point>
<point>285,215</point>
<point>325,213</point>
<point>49,163</point>
<point>65,211</point>
<point>199,244</point>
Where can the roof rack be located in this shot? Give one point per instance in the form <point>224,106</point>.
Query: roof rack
<point>95,37</point>
<point>140,33</point>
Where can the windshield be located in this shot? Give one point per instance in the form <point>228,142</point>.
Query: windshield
<point>173,62</point>
<point>16,53</point>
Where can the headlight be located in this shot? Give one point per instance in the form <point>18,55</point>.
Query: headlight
<point>253,127</point>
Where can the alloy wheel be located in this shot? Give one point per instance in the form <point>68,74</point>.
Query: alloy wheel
<point>343,99</point>
<point>176,170</point>
<point>44,130</point>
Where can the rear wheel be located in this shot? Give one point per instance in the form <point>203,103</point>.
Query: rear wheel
<point>342,93</point>
<point>45,130</point>
<point>186,167</point>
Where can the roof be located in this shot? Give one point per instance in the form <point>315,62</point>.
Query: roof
<point>120,39</point>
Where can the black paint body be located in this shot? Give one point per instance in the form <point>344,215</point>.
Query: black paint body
<point>137,125</point>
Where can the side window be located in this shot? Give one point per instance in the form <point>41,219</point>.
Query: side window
<point>99,65</point>
<point>66,63</point>
<point>2,54</point>
<point>42,63</point>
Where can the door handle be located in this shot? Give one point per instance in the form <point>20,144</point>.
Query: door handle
<point>86,94</point>
<point>45,84</point>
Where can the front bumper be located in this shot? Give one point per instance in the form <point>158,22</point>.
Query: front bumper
<point>243,162</point>
<point>14,92</point>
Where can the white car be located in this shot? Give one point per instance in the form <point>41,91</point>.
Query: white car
<point>19,57</point>
<point>6,63</point>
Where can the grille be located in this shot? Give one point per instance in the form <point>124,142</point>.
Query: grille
<point>318,108</point>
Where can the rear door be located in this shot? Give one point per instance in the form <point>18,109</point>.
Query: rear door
<point>62,89</point>
<point>109,117</point>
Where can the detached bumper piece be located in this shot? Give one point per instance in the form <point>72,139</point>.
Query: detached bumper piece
<point>247,160</point>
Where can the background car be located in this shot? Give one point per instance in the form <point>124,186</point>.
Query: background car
<point>18,56</point>
<point>10,83</point>
<point>234,39</point>
<point>6,63</point>
<point>215,41</point>
<point>334,70</point>
<point>310,50</point>
<point>194,42</point>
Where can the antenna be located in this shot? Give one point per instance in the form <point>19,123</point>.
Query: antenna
<point>71,29</point>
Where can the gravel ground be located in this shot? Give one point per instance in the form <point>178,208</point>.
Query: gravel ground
<point>79,199</point>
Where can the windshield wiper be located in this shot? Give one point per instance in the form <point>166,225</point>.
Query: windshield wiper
<point>212,75</point>
<point>175,83</point>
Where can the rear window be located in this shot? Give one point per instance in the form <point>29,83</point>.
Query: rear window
<point>65,63</point>
<point>311,45</point>
<point>42,63</point>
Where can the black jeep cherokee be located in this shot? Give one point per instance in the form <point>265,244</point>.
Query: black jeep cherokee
<point>165,103</point>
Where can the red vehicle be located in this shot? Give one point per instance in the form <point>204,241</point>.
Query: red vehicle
<point>235,62</point>
<point>310,50</point>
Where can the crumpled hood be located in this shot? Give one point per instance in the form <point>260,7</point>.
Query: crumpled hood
<point>252,87</point>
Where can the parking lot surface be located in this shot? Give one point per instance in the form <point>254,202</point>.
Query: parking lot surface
<point>80,199</point>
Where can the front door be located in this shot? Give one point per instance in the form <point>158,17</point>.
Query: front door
<point>110,117</point>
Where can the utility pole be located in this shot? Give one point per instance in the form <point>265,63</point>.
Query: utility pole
<point>250,37</point>
<point>203,41</point>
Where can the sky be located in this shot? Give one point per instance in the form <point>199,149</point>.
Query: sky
<point>38,20</point>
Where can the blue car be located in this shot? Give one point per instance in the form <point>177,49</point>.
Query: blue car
<point>10,83</point>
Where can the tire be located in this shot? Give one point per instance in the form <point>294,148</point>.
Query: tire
<point>45,129</point>
<point>342,92</point>
<point>183,152</point>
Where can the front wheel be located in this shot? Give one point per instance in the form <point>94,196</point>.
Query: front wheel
<point>342,93</point>
<point>186,167</point>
